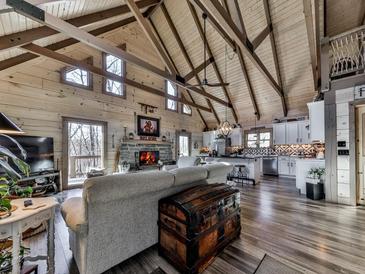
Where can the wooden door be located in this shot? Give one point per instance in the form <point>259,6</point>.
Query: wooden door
<point>360,146</point>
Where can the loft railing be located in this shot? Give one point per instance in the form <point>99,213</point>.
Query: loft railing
<point>347,53</point>
<point>80,165</point>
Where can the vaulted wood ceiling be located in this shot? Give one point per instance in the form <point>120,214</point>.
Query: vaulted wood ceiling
<point>285,52</point>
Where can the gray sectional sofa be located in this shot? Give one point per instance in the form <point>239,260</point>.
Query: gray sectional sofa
<point>116,217</point>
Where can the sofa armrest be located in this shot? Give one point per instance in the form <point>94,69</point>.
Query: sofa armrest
<point>73,212</point>
<point>169,167</point>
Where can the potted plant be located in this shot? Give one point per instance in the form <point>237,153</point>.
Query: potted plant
<point>8,183</point>
<point>315,175</point>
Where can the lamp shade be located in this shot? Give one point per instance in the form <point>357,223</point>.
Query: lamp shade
<point>7,126</point>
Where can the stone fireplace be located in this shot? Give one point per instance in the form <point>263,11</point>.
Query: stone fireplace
<point>131,151</point>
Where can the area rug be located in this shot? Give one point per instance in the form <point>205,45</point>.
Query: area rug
<point>158,271</point>
<point>269,265</point>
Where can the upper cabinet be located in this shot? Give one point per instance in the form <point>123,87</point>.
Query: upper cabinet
<point>290,133</point>
<point>316,121</point>
<point>279,134</point>
<point>236,137</point>
<point>209,139</point>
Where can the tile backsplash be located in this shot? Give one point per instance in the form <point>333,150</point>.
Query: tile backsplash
<point>308,150</point>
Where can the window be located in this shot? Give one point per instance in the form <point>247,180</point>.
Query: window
<point>186,109</point>
<point>260,138</point>
<point>77,77</point>
<point>116,66</point>
<point>171,90</point>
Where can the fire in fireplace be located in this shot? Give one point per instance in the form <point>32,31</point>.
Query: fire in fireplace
<point>148,158</point>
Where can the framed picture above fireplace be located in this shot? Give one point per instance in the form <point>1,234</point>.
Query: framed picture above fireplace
<point>148,126</point>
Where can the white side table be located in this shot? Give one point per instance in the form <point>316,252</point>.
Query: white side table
<point>21,220</point>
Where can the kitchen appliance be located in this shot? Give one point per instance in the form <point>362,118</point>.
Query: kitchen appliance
<point>270,165</point>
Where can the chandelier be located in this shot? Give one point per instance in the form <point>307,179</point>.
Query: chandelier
<point>225,128</point>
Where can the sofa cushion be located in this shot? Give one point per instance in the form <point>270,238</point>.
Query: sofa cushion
<point>187,175</point>
<point>124,186</point>
<point>73,213</point>
<point>217,172</point>
<point>188,161</point>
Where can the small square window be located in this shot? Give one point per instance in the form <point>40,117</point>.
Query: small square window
<point>77,77</point>
<point>186,109</point>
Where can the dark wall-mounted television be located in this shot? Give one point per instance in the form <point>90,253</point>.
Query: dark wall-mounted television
<point>148,126</point>
<point>40,152</point>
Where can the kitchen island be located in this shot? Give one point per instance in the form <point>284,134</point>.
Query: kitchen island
<point>303,165</point>
<point>252,164</point>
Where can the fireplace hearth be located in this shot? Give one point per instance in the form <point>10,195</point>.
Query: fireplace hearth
<point>149,158</point>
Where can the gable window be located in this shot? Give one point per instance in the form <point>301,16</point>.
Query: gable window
<point>171,89</point>
<point>116,66</point>
<point>260,138</point>
<point>77,77</point>
<point>186,109</point>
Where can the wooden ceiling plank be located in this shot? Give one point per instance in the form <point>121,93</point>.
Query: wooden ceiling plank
<point>19,59</point>
<point>275,55</point>
<point>238,19</point>
<point>318,43</point>
<point>210,53</point>
<point>24,8</point>
<point>99,71</point>
<point>198,69</point>
<point>24,37</point>
<point>307,9</point>
<point>228,25</point>
<point>176,70</point>
<point>185,54</point>
<point>146,27</point>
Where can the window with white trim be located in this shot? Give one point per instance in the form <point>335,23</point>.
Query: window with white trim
<point>261,138</point>
<point>171,89</point>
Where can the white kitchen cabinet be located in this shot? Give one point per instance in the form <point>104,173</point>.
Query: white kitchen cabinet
<point>303,132</point>
<point>302,168</point>
<point>292,168</point>
<point>292,133</point>
<point>284,166</point>
<point>316,121</point>
<point>279,133</point>
<point>236,137</point>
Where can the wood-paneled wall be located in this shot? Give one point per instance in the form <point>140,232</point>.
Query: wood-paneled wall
<point>32,95</point>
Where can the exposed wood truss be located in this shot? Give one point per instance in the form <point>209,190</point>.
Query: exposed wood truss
<point>28,36</point>
<point>60,25</point>
<point>198,69</point>
<point>177,71</point>
<point>307,8</point>
<point>185,54</point>
<point>234,10</point>
<point>222,18</point>
<point>318,43</point>
<point>146,27</point>
<point>85,66</point>
<point>209,51</point>
<point>261,36</point>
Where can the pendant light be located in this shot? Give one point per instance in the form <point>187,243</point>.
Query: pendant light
<point>225,128</point>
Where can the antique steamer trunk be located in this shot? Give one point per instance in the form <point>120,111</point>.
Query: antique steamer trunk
<point>196,224</point>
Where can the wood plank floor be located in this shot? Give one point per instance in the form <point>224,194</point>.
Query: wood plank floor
<point>309,236</point>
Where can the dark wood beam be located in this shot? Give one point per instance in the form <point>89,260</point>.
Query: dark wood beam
<point>146,27</point>
<point>176,70</point>
<point>209,51</point>
<point>90,68</point>
<point>39,15</point>
<point>308,15</point>
<point>318,42</point>
<point>151,10</point>
<point>238,19</point>
<point>275,55</point>
<point>185,54</point>
<point>229,26</point>
<point>198,69</point>
<point>261,36</point>
<point>19,59</point>
<point>24,37</point>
